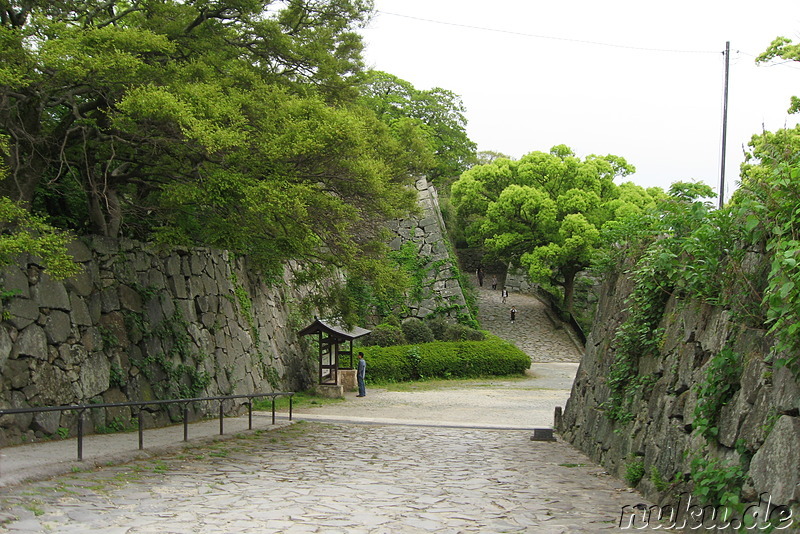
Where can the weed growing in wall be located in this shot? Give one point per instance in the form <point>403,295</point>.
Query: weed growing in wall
<point>768,206</point>
<point>720,384</point>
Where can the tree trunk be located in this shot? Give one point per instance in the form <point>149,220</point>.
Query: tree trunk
<point>569,287</point>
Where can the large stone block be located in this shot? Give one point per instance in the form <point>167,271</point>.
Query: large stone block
<point>114,328</point>
<point>785,390</point>
<point>17,372</point>
<point>79,312</point>
<point>95,375</point>
<point>130,299</point>
<point>754,428</point>
<point>57,327</point>
<point>49,293</point>
<point>6,346</point>
<point>14,279</point>
<point>31,342</point>
<point>80,283</point>
<point>109,300</point>
<point>46,422</point>
<point>22,312</point>
<point>50,386</point>
<point>775,468</point>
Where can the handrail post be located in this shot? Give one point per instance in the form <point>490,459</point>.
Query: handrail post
<point>273,409</point>
<point>140,419</point>
<point>220,418</point>
<point>80,435</point>
<point>186,422</point>
<point>250,414</point>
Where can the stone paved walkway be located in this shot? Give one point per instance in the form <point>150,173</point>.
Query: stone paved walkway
<point>450,464</point>
<point>312,477</point>
<point>531,331</point>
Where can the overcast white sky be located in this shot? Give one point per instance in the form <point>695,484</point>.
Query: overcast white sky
<point>607,77</point>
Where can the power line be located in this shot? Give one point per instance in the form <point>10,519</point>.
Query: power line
<point>550,37</point>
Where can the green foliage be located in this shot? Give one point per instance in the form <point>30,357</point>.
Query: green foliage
<point>721,383</point>
<point>117,424</point>
<point>783,48</point>
<point>28,234</point>
<point>634,472</point>
<point>683,248</point>
<point>385,335</point>
<point>657,480</point>
<point>431,118</point>
<point>405,279</point>
<point>462,332</point>
<point>545,211</point>
<point>117,377</point>
<point>639,335</point>
<point>767,203</point>
<point>185,373</point>
<point>716,482</point>
<point>492,357</point>
<point>416,331</point>
<point>437,325</point>
<point>238,126</point>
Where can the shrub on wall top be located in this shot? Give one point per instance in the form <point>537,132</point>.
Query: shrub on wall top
<point>417,331</point>
<point>385,335</point>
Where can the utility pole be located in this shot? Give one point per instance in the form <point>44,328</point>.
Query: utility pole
<point>724,125</point>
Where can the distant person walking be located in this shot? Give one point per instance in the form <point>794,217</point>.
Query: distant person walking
<point>362,369</point>
<point>480,276</point>
<point>513,314</point>
<point>494,281</point>
<point>504,294</point>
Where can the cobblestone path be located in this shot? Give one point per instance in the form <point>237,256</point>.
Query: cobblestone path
<point>367,477</point>
<point>531,331</point>
<point>313,477</point>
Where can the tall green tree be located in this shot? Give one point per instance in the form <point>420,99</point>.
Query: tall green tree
<point>436,114</point>
<point>229,123</point>
<point>545,211</point>
<point>24,233</point>
<point>783,48</point>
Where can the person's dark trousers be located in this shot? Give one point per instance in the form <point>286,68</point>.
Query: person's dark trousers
<point>362,390</point>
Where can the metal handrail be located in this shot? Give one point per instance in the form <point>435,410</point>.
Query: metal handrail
<point>81,408</point>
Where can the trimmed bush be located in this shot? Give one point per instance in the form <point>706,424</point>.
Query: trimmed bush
<point>417,332</point>
<point>437,326</point>
<point>460,332</point>
<point>463,359</point>
<point>385,335</point>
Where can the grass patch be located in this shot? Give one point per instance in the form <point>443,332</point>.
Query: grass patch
<point>35,507</point>
<point>448,383</point>
<point>302,399</point>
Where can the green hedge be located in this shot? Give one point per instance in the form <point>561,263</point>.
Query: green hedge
<point>461,359</point>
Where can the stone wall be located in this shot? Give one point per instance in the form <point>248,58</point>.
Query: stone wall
<point>139,324</point>
<point>759,426</point>
<point>443,293</point>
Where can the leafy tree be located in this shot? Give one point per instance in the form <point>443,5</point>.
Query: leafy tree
<point>436,114</point>
<point>545,211</point>
<point>783,48</point>
<point>488,156</point>
<point>229,123</point>
<point>23,233</point>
